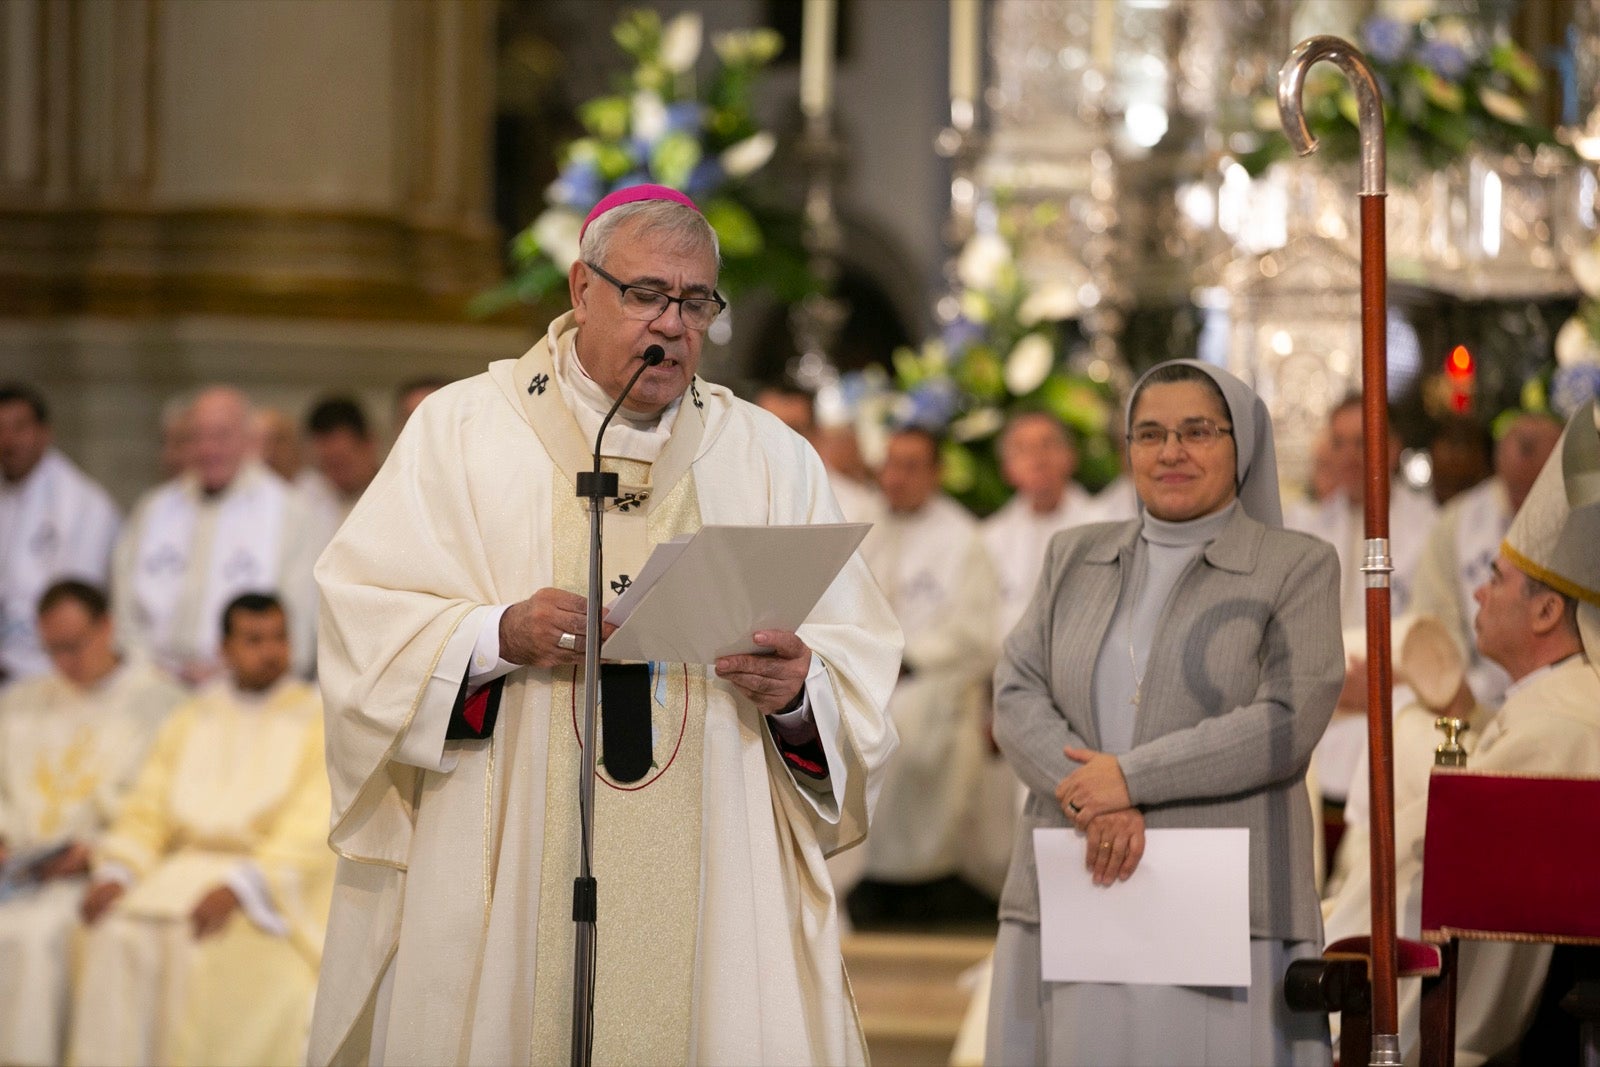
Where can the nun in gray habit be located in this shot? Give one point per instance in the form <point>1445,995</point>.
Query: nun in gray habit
<point>1174,670</point>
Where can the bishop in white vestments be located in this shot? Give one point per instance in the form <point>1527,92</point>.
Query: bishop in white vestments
<point>1538,617</point>
<point>210,891</point>
<point>55,522</point>
<point>1466,539</point>
<point>452,643</point>
<point>70,744</point>
<point>227,526</point>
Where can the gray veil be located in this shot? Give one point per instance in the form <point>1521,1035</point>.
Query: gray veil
<point>1257,473</point>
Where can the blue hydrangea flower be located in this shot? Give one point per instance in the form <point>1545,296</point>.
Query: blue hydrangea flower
<point>960,332</point>
<point>707,177</point>
<point>1385,39</point>
<point>1572,387</point>
<point>933,404</point>
<point>1443,58</point>
<point>683,117</point>
<point>578,185</point>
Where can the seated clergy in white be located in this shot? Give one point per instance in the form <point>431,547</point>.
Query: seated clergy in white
<point>55,522</point>
<point>452,641</point>
<point>70,744</point>
<point>226,526</point>
<point>210,890</point>
<point>1539,618</point>
<point>930,562</point>
<point>1338,519</point>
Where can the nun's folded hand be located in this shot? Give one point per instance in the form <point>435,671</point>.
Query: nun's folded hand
<point>1096,788</point>
<point>1115,844</point>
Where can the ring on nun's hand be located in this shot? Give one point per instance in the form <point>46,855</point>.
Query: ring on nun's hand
<point>1074,807</point>
<point>569,642</point>
<point>1105,844</point>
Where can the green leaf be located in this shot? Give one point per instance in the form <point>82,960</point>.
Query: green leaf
<point>737,230</point>
<point>606,117</point>
<point>674,159</point>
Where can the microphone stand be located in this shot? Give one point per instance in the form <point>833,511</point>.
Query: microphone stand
<point>595,486</point>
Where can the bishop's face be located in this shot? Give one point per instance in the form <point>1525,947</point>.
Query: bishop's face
<point>611,345</point>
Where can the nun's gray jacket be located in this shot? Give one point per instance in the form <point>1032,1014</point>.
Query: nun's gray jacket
<point>1243,675</point>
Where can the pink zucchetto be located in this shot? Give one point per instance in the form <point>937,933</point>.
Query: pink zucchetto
<point>633,194</point>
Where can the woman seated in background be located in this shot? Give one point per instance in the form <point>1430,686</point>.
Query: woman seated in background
<point>1174,670</point>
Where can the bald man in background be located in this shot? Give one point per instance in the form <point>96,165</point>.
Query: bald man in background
<point>225,526</point>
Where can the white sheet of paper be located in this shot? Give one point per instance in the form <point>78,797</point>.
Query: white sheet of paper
<point>724,584</point>
<point>1183,918</point>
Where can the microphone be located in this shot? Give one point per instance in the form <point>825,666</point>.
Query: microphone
<point>593,484</point>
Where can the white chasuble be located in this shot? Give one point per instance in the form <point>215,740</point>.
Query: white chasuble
<point>450,939</point>
<point>185,555</point>
<point>55,523</point>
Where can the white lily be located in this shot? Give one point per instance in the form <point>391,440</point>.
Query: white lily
<point>977,425</point>
<point>1586,271</point>
<point>1051,302</point>
<point>1408,10</point>
<point>984,256</point>
<point>749,155</point>
<point>557,234</point>
<point>1574,345</point>
<point>1264,114</point>
<point>649,117</point>
<point>1503,107</point>
<point>680,42</point>
<point>1029,364</point>
<point>1455,31</point>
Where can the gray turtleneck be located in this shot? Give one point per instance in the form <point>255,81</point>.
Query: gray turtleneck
<point>1161,554</point>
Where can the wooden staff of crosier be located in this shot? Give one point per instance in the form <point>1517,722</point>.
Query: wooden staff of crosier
<point>1377,565</point>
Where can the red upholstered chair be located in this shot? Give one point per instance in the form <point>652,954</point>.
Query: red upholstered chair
<point>1505,858</point>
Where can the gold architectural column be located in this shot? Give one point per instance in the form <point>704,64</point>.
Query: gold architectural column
<point>275,192</point>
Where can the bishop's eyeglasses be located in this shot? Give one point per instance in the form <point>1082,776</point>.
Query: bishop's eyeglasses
<point>1191,433</point>
<point>646,304</point>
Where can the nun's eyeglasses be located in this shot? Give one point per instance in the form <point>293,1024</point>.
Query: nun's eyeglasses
<point>1191,433</point>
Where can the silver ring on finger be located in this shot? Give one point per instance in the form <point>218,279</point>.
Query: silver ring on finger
<point>1073,807</point>
<point>568,642</point>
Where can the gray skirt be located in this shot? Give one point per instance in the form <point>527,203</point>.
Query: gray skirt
<point>1065,1023</point>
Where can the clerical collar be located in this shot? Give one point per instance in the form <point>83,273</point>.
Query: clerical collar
<point>631,435</point>
<point>1528,679</point>
<point>1199,531</point>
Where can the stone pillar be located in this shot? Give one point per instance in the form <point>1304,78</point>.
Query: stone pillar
<point>278,192</point>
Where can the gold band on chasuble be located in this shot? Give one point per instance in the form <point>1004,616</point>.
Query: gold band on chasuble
<point>646,849</point>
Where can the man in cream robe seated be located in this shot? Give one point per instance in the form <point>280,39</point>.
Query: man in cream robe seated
<point>55,522</point>
<point>227,526</point>
<point>452,643</point>
<point>1544,631</point>
<point>923,858</point>
<point>210,890</point>
<point>1466,539</point>
<point>70,744</point>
